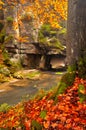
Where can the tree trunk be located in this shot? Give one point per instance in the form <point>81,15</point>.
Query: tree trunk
<point>76,35</point>
<point>72,44</point>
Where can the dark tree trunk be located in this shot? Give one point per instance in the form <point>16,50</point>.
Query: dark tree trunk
<point>76,43</point>
<point>81,27</point>
<point>72,44</point>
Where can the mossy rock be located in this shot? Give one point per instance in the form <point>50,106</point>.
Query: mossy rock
<point>66,81</point>
<point>68,78</point>
<point>50,37</point>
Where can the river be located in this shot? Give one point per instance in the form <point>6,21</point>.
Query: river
<point>19,89</point>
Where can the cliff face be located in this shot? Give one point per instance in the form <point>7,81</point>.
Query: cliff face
<point>21,40</point>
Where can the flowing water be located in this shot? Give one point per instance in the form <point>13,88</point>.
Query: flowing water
<point>17,90</point>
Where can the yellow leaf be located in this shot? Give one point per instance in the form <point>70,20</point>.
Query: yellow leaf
<point>1,3</point>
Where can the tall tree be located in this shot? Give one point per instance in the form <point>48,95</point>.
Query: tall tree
<point>76,43</point>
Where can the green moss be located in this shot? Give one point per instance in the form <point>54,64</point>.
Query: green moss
<point>82,67</point>
<point>62,88</point>
<point>55,42</point>
<point>8,38</point>
<point>68,78</point>
<point>32,75</point>
<point>5,54</point>
<point>66,81</point>
<point>4,73</point>
<point>79,67</point>
<point>72,68</point>
<point>46,31</point>
<point>2,35</point>
<point>48,35</point>
<point>62,31</point>
<point>81,92</point>
<point>4,107</point>
<point>36,125</point>
<point>43,114</point>
<point>9,19</point>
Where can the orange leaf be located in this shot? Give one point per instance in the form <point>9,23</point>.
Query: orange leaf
<point>46,124</point>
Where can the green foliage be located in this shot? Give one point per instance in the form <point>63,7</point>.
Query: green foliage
<point>4,107</point>
<point>28,75</point>
<point>66,80</point>
<point>81,92</point>
<point>9,19</point>
<point>82,67</point>
<point>48,35</point>
<point>18,75</point>
<point>32,74</point>
<point>59,73</point>
<point>8,38</point>
<point>36,125</point>
<point>5,54</point>
<point>43,114</point>
<point>9,67</point>
<point>62,31</point>
<point>4,70</point>
<point>45,30</point>
<point>14,67</point>
<point>4,73</point>
<point>79,67</point>
<point>2,35</point>
<point>55,42</point>
<point>62,88</point>
<point>72,68</point>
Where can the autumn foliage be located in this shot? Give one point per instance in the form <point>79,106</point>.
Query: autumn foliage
<point>46,114</point>
<point>48,11</point>
<point>41,11</point>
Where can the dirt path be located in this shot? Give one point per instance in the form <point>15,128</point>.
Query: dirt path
<point>15,91</point>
